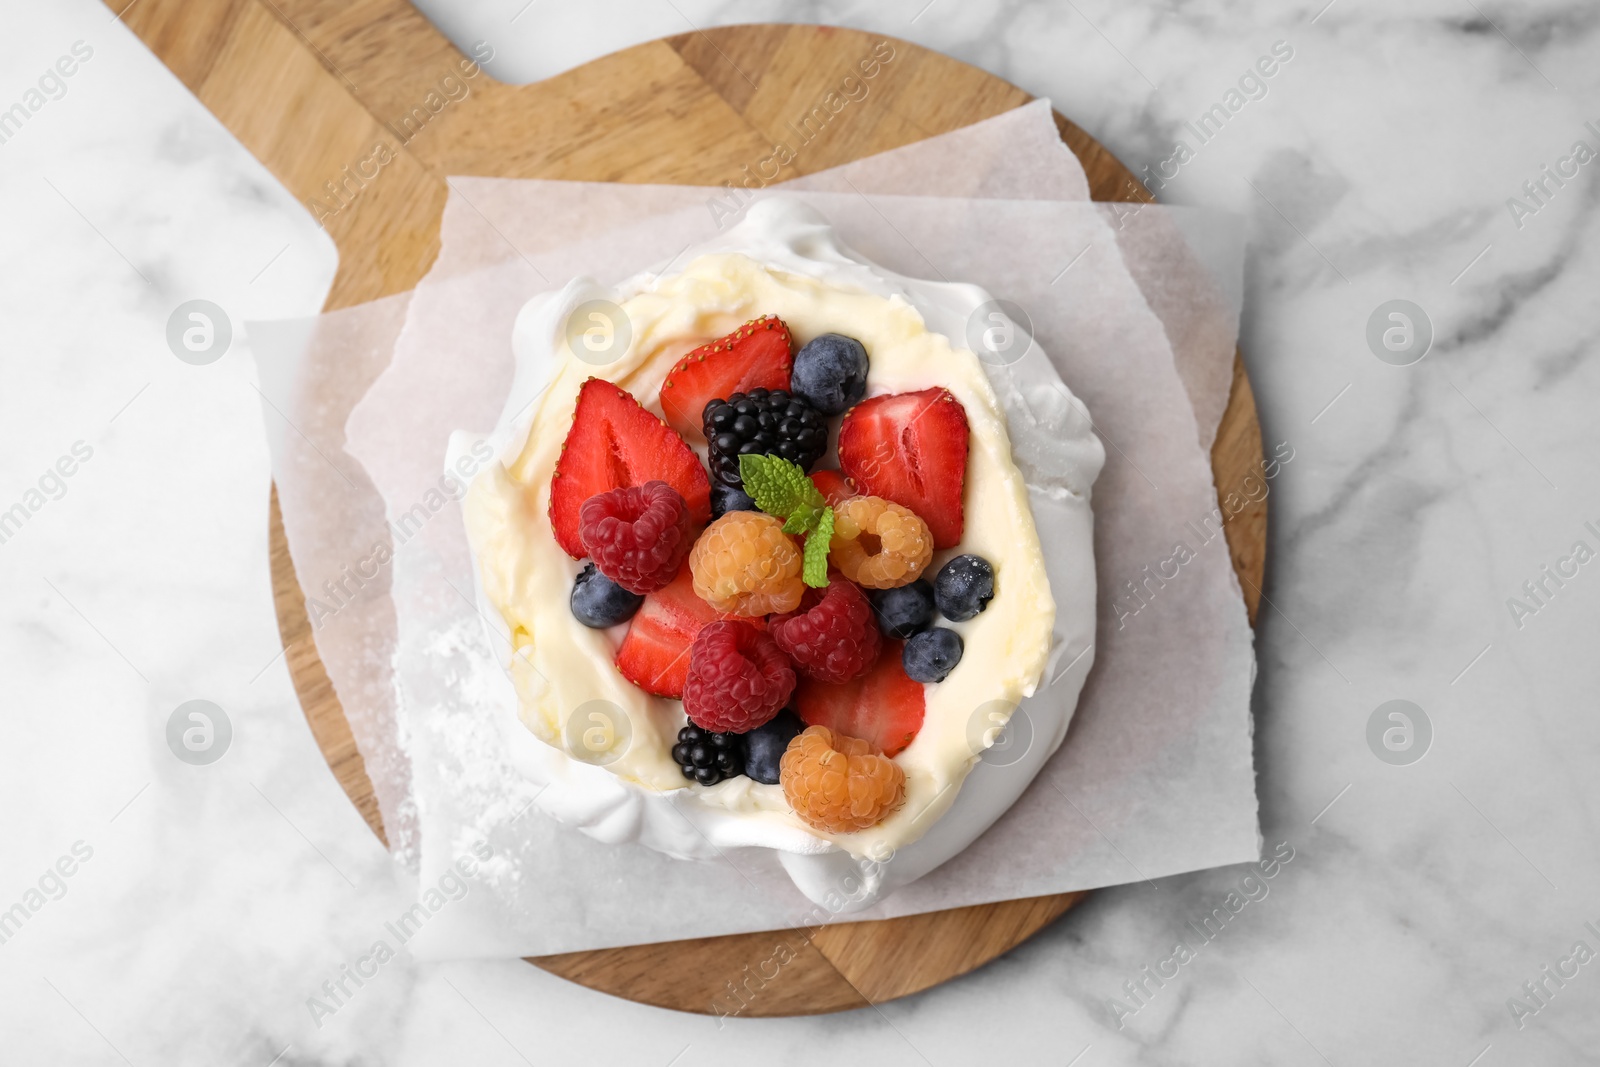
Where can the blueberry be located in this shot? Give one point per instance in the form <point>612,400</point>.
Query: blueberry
<point>963,587</point>
<point>932,654</point>
<point>905,610</point>
<point>765,744</point>
<point>725,498</point>
<point>598,602</point>
<point>831,372</point>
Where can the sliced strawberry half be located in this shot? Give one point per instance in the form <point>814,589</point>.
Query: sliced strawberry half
<point>615,443</point>
<point>911,448</point>
<point>758,355</point>
<point>883,706</point>
<point>833,486</point>
<point>655,654</point>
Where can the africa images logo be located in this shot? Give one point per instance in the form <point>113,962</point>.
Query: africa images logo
<point>1252,85</point>
<point>1542,988</point>
<point>342,590</point>
<point>52,885</point>
<point>1539,190</point>
<point>50,86</point>
<point>450,88</point>
<point>1253,888</point>
<point>451,886</point>
<point>51,485</point>
<point>852,88</point>
<point>1538,592</point>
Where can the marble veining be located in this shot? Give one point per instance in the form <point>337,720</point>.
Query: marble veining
<point>1430,910</point>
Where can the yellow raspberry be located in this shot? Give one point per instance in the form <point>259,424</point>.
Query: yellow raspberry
<point>837,783</point>
<point>879,544</point>
<point>744,564</point>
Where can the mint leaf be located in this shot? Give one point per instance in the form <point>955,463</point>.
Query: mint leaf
<point>816,557</point>
<point>779,487</point>
<point>800,520</point>
<point>772,483</point>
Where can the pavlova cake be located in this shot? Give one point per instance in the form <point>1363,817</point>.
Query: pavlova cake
<point>775,556</point>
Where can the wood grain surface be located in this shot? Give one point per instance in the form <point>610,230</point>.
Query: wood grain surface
<point>314,87</point>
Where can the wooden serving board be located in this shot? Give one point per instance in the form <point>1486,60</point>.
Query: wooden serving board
<point>311,86</point>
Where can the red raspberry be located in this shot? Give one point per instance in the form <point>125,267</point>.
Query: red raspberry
<point>833,638</point>
<point>738,679</point>
<point>637,536</point>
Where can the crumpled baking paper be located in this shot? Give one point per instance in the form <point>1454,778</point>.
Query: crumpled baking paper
<point>1138,309</point>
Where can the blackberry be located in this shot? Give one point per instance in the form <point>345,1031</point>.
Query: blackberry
<point>706,757</point>
<point>765,422</point>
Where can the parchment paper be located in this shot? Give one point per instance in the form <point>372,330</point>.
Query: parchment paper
<point>1151,781</point>
<point>1156,775</point>
<point>312,372</point>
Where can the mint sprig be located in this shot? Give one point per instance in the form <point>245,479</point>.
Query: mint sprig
<point>781,489</point>
<point>815,571</point>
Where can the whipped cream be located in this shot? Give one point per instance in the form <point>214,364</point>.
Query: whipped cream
<point>1032,453</point>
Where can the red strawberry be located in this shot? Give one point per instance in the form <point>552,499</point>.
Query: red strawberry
<point>615,443</point>
<point>883,706</point>
<point>655,654</point>
<point>758,355</point>
<point>911,448</point>
<point>833,486</point>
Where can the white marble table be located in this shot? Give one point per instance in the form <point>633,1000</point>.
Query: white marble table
<point>206,904</point>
